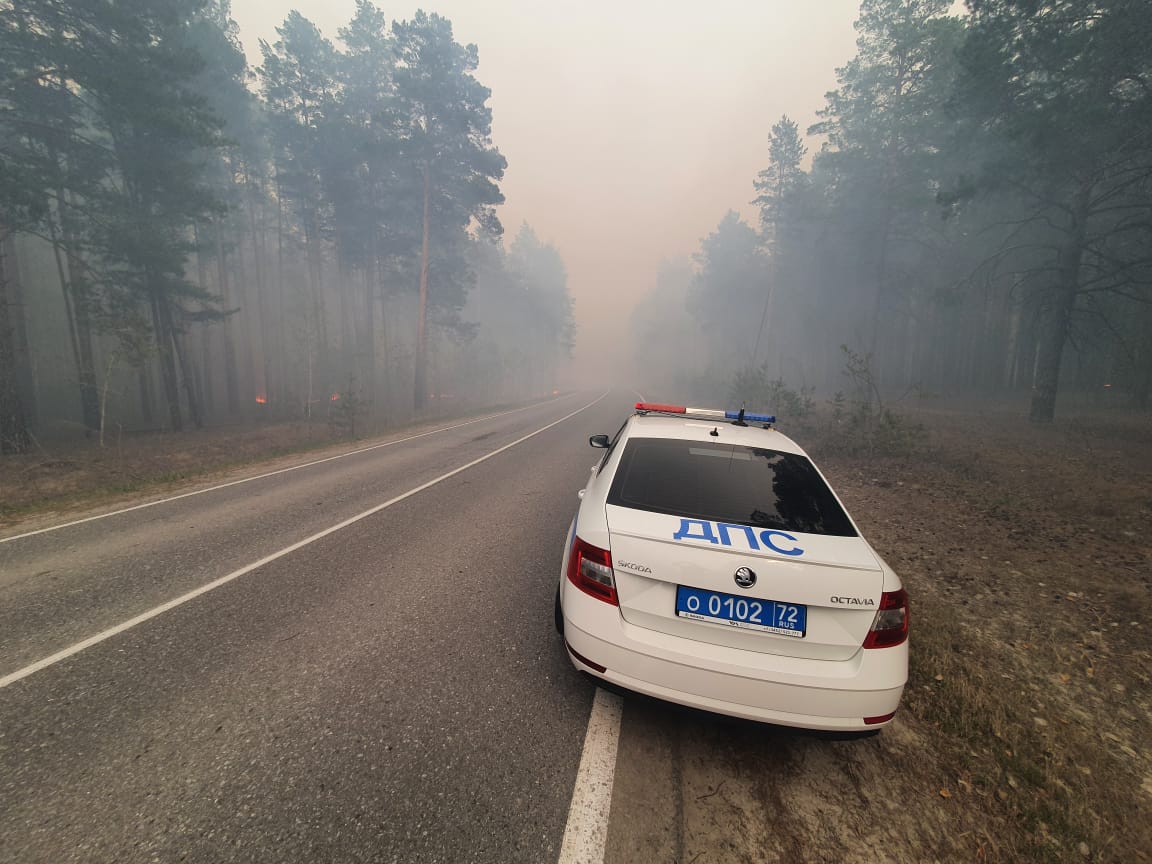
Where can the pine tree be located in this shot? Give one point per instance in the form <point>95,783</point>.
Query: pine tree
<point>299,81</point>
<point>1056,99</point>
<point>783,177</point>
<point>446,128</point>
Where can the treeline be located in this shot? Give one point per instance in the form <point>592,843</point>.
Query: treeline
<point>978,219</point>
<point>188,240</point>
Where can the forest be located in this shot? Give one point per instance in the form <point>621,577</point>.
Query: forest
<point>976,221</point>
<point>187,240</point>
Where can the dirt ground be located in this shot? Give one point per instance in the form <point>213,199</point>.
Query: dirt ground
<point>1026,731</point>
<point>55,477</point>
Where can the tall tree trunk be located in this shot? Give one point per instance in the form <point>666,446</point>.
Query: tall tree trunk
<point>1011,366</point>
<point>385,345</point>
<point>881,280</point>
<point>231,384</point>
<point>264,385</point>
<point>1061,300</point>
<point>367,331</point>
<point>25,376</point>
<point>366,335</point>
<point>14,437</point>
<point>242,298</point>
<point>147,402</point>
<point>204,378</point>
<point>89,390</point>
<point>344,290</point>
<point>77,303</point>
<point>188,373</point>
<point>320,368</point>
<point>1142,388</point>
<point>194,378</point>
<point>421,378</point>
<point>284,390</point>
<point>165,340</point>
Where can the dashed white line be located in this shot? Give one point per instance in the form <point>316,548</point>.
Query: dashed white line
<point>31,669</point>
<point>586,833</point>
<point>270,473</point>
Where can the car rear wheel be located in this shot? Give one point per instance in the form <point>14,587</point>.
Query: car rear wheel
<point>559,614</point>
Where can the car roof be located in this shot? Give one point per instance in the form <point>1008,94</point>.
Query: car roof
<point>692,428</point>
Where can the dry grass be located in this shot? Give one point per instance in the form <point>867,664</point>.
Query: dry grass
<point>1026,552</point>
<point>65,474</point>
<point>73,472</point>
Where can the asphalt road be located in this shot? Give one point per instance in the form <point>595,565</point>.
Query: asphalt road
<point>354,660</point>
<point>393,691</point>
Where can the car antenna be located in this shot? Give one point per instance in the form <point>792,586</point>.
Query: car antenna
<point>739,421</point>
<point>715,433</point>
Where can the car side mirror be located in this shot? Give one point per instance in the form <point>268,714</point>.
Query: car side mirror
<point>600,441</point>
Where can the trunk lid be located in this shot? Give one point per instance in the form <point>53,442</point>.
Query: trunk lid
<point>837,579</point>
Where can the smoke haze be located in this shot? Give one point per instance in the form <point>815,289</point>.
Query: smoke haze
<point>238,211</point>
<point>629,129</point>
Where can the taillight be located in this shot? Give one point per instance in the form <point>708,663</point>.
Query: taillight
<point>890,626</point>
<point>590,570</point>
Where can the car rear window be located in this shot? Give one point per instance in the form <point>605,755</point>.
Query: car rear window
<point>727,483</point>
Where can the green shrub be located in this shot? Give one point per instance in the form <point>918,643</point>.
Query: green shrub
<point>864,424</point>
<point>753,388</point>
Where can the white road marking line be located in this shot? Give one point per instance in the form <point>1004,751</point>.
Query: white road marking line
<point>586,833</point>
<point>273,473</point>
<point>13,677</point>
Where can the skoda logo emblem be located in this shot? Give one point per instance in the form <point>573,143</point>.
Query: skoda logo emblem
<point>745,578</point>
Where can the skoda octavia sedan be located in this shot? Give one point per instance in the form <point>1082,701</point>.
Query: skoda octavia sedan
<point>711,565</point>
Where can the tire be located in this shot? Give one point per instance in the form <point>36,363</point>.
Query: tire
<point>559,614</point>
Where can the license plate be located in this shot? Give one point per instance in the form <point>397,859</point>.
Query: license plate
<point>747,613</point>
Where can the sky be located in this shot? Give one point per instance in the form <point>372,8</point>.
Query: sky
<point>630,127</point>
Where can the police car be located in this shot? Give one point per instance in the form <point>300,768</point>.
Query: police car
<point>711,565</point>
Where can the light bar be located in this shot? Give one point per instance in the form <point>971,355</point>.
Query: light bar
<point>705,412</point>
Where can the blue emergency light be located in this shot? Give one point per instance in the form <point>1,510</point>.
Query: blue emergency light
<point>749,418</point>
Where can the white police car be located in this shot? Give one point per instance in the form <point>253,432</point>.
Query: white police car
<point>711,565</point>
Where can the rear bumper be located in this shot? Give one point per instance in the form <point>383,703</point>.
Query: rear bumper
<point>810,694</point>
